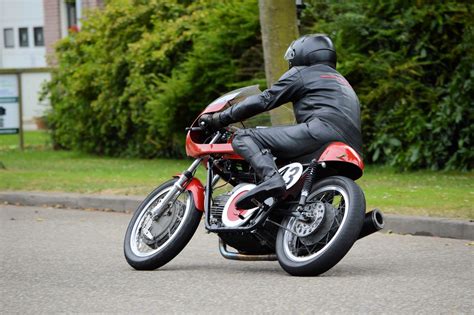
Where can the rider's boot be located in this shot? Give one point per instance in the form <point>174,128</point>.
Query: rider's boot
<point>272,185</point>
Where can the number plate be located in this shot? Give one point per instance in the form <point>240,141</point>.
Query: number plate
<point>291,173</point>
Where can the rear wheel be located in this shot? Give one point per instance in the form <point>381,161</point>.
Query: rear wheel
<point>150,244</point>
<point>335,208</point>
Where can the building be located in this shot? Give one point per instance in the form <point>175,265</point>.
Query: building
<point>22,34</point>
<point>64,16</point>
<point>28,31</point>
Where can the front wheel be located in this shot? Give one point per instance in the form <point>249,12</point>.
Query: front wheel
<point>336,209</point>
<point>150,244</point>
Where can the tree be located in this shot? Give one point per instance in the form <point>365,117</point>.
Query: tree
<point>279,28</point>
<point>410,62</point>
<point>140,71</point>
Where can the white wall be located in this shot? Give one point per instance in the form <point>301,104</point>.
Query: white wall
<point>15,14</point>
<point>32,107</point>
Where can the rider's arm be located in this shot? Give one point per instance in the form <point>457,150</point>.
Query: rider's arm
<point>287,88</point>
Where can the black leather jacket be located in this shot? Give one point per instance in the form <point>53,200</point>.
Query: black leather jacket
<point>317,91</point>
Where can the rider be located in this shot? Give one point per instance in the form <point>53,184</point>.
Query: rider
<point>326,109</point>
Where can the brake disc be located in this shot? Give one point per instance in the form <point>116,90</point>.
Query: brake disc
<point>314,213</point>
<point>321,230</point>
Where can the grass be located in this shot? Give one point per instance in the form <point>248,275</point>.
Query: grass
<point>32,140</point>
<point>39,168</point>
<point>425,193</point>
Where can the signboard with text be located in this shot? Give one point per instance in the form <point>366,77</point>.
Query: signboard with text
<point>9,107</point>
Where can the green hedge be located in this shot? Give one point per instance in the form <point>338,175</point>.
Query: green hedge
<point>411,64</point>
<point>138,72</point>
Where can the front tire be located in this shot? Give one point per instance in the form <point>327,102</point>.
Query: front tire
<point>167,236</point>
<point>311,255</point>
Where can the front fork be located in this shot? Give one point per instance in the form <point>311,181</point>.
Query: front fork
<point>179,186</point>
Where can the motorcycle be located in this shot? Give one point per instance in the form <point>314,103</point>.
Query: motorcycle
<point>309,230</point>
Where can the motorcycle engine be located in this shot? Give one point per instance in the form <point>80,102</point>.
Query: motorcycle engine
<point>225,214</point>
<point>218,207</point>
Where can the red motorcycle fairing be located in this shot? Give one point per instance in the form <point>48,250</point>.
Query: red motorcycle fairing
<point>195,143</point>
<point>197,190</point>
<point>196,150</point>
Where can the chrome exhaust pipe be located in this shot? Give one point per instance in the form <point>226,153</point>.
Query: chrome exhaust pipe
<point>373,222</point>
<point>237,256</point>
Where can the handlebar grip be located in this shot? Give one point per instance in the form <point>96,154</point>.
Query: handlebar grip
<point>193,129</point>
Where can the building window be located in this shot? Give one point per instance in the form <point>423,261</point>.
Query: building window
<point>38,33</point>
<point>8,38</point>
<point>71,15</point>
<point>23,36</point>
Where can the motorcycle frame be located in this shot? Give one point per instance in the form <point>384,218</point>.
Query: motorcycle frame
<point>337,154</point>
<point>261,216</point>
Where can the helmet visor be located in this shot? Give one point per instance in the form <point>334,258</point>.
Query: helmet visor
<point>290,53</point>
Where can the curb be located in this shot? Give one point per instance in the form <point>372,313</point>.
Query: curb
<point>72,200</point>
<point>414,225</point>
<point>429,226</point>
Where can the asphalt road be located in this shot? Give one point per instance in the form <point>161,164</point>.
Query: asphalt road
<point>58,260</point>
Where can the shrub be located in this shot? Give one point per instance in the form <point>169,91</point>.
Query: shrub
<point>411,65</point>
<point>138,72</point>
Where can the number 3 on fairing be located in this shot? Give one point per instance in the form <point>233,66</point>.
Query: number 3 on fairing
<point>291,173</point>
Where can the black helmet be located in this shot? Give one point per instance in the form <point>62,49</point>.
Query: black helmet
<point>311,49</point>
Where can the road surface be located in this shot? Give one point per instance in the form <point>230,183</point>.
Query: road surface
<point>60,260</point>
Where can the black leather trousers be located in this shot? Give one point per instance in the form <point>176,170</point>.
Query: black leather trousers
<point>285,142</point>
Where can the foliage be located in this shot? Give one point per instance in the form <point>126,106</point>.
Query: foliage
<point>411,65</point>
<point>138,72</point>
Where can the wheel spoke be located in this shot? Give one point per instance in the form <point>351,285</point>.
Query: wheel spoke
<point>307,249</point>
<point>334,200</point>
<point>161,230</point>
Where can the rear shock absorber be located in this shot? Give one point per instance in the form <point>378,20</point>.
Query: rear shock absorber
<point>308,183</point>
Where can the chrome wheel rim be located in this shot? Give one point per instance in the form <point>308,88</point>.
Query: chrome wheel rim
<point>332,195</point>
<point>178,212</point>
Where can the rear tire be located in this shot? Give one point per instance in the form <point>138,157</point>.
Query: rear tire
<point>297,255</point>
<point>172,230</point>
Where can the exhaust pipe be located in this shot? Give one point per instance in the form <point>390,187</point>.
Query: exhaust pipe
<point>373,222</point>
<point>237,256</point>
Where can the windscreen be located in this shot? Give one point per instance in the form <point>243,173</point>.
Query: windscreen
<point>238,95</point>
<point>279,116</point>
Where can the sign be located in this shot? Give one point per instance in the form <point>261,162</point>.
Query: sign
<point>9,107</point>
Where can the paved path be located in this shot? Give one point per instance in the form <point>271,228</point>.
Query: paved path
<point>57,260</point>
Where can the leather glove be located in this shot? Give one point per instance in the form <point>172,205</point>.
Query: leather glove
<point>210,121</point>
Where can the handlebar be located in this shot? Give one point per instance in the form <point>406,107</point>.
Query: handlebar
<point>194,129</point>
<point>230,128</point>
